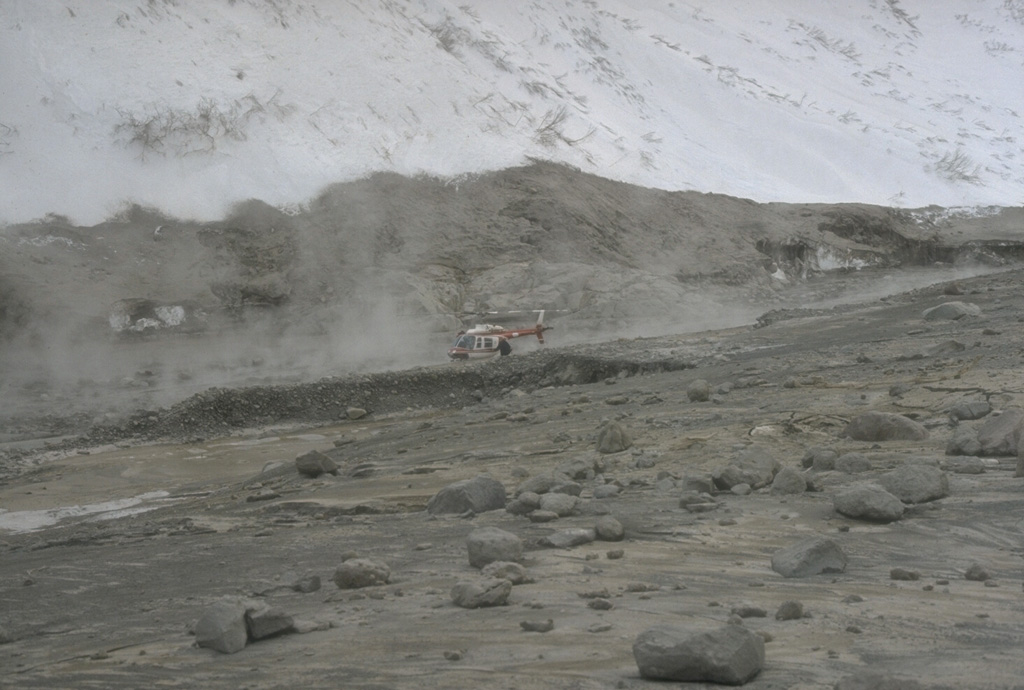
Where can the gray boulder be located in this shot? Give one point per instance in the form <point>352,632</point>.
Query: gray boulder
<point>853,463</point>
<point>884,426</point>
<point>478,495</point>
<point>969,409</point>
<point>567,538</point>
<point>810,556</point>
<point>314,463</point>
<point>964,442</point>
<point>698,391</point>
<point>506,570</point>
<point>868,502</point>
<point>753,466</point>
<point>613,438</point>
<point>474,594</point>
<point>609,529</point>
<point>916,483</point>
<point>489,544</point>
<point>607,491</point>
<point>356,573</point>
<point>222,627</point>
<point>951,311</point>
<point>999,436</point>
<point>730,655</point>
<point>819,458</point>
<point>789,481</point>
<point>561,505</point>
<point>547,482</point>
<point>701,483</point>
<point>266,621</point>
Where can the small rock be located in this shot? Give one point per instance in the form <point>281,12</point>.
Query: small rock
<point>314,463</point>
<point>977,573</point>
<point>606,491</point>
<point>307,585</point>
<point>567,538</point>
<point>560,504</point>
<point>266,621</point>
<point>853,463</point>
<point>542,516</point>
<point>788,481</point>
<point>808,557</point>
<point>356,573</point>
<point>538,626</point>
<point>868,502</point>
<point>615,554</point>
<point>916,483</point>
<point>506,570</point>
<point>698,391</point>
<point>903,574</point>
<point>600,604</point>
<point>355,413</point>
<point>789,611</point>
<point>481,593</point>
<point>609,529</point>
<point>884,426</point>
<point>951,311</point>
<point>613,438</point>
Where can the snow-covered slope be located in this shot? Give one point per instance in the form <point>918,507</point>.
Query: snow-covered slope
<point>190,105</point>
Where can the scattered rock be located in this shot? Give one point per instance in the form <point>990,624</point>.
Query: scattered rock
<point>748,611</point>
<point>951,311</point>
<point>819,458</point>
<point>853,463</point>
<point>730,655</point>
<point>314,463</point>
<point>613,438</point>
<point>222,627</point>
<point>479,495</point>
<point>904,574</point>
<point>999,435</point>
<point>480,593</point>
<point>355,413</point>
<point>884,426</point>
<point>789,611</point>
<point>538,626</point>
<point>868,502</point>
<point>977,573</point>
<point>265,621</point>
<point>567,538</point>
<point>506,570</point>
<point>560,504</point>
<point>606,491</point>
<point>753,466</point>
<point>789,481</point>
<point>700,483</point>
<point>307,585</point>
<point>609,529</point>
<point>969,410</point>
<point>964,442</point>
<point>698,391</point>
<point>916,483</point>
<point>489,544</point>
<point>810,556</point>
<point>600,604</point>
<point>542,516</point>
<point>356,573</point>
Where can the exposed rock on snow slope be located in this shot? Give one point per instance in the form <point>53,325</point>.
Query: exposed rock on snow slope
<point>189,106</point>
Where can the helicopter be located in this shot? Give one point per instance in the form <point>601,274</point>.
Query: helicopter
<point>484,341</point>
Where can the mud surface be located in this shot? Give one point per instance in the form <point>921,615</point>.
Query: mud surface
<point>212,506</point>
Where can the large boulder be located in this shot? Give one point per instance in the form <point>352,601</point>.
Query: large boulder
<point>489,544</point>
<point>223,627</point>
<point>478,495</point>
<point>267,621</point>
<point>916,483</point>
<point>884,426</point>
<point>730,655</point>
<point>810,556</point>
<point>868,502</point>
<point>1000,436</point>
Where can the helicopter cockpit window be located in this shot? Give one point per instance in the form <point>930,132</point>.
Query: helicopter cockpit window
<point>465,341</point>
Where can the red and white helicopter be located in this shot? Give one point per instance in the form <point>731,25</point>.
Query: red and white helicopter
<point>483,341</point>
